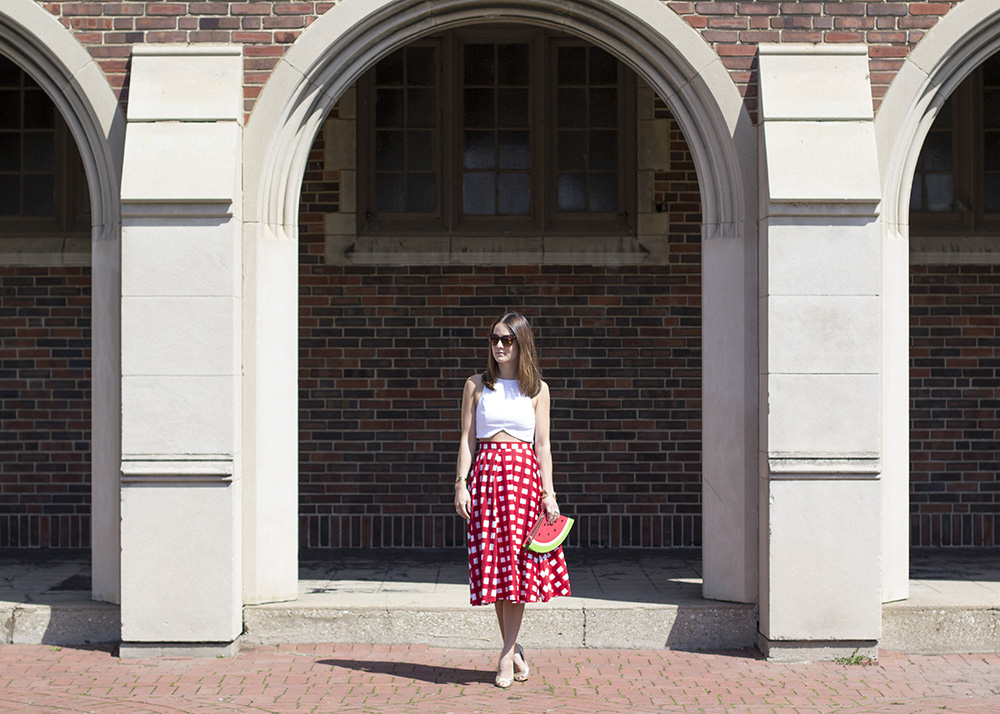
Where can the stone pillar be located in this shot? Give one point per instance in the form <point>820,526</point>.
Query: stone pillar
<point>181,343</point>
<point>821,386</point>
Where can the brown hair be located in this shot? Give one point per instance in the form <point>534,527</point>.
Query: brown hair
<point>529,375</point>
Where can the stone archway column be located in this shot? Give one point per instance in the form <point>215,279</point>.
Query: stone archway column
<point>181,509</point>
<point>821,381</point>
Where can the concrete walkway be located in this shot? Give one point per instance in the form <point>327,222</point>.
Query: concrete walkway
<point>633,599</point>
<point>412,679</point>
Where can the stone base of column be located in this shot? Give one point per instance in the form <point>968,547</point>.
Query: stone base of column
<point>792,651</point>
<point>144,650</point>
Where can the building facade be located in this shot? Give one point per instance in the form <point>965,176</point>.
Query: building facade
<point>248,251</point>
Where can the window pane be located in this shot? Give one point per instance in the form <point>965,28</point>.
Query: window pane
<point>572,107</point>
<point>572,150</point>
<point>991,71</point>
<point>479,194</point>
<point>39,151</point>
<point>389,107</point>
<point>572,190</point>
<point>514,194</point>
<point>936,154</point>
<point>421,108</point>
<point>10,195</point>
<point>991,150</point>
<point>420,150</point>
<point>479,152</point>
<point>604,108</point>
<point>10,74</point>
<point>479,108</point>
<point>39,195</point>
<point>390,69</point>
<point>10,110</point>
<point>389,193</point>
<point>389,151</point>
<point>940,192</point>
<point>512,67</point>
<point>10,151</point>
<point>512,108</point>
<point>572,65</point>
<point>604,150</point>
<point>39,111</point>
<point>917,193</point>
<point>603,67</point>
<point>991,193</point>
<point>421,67</point>
<point>421,192</point>
<point>479,64</point>
<point>604,193</point>
<point>991,108</point>
<point>515,150</point>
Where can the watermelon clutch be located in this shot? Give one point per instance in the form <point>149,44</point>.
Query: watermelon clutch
<point>544,536</point>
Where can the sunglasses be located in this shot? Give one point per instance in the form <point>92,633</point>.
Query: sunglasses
<point>505,340</point>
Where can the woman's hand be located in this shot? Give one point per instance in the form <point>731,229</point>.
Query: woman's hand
<point>463,501</point>
<point>551,508</point>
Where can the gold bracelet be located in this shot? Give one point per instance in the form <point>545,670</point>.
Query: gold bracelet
<point>546,494</point>
<point>459,478</point>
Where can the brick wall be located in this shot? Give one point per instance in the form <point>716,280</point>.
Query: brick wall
<point>108,29</point>
<point>954,405</point>
<point>44,407</point>
<point>384,353</point>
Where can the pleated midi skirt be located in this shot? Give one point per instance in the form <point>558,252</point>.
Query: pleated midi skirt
<point>505,488</point>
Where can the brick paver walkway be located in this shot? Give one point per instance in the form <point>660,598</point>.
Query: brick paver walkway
<point>362,678</point>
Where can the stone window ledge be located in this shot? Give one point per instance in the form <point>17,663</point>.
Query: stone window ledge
<point>41,251</point>
<point>499,250</point>
<point>955,250</point>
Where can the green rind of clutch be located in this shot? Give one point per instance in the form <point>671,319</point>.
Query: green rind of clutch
<point>537,546</point>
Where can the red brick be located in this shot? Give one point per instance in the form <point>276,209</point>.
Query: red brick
<point>295,8</point>
<point>715,8</point>
<point>71,9</point>
<point>930,8</point>
<point>887,8</point>
<point>251,8</point>
<point>165,8</point>
<point>758,8</point>
<point>843,37</point>
<point>844,8</point>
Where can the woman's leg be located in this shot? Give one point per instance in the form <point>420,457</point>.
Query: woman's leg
<point>519,664</point>
<point>509,615</point>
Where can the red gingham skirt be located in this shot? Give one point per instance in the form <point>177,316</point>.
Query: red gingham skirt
<point>505,489</point>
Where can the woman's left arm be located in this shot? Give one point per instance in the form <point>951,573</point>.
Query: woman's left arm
<point>543,451</point>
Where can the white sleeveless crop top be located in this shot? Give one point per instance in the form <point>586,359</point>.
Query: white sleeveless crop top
<point>505,408</point>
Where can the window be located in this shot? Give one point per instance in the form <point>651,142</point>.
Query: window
<point>506,130</point>
<point>956,185</point>
<point>42,185</point>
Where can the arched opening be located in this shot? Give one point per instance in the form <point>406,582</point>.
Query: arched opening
<point>45,404</point>
<point>676,65</point>
<point>955,320</point>
<point>387,340</point>
<point>949,54</point>
<point>65,243</point>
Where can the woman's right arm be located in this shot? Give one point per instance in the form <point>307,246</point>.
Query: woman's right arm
<point>466,447</point>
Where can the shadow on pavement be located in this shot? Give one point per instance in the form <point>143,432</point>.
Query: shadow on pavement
<point>409,670</point>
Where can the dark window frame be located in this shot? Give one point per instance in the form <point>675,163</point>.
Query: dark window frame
<point>543,218</point>
<point>71,208</point>
<point>967,216</point>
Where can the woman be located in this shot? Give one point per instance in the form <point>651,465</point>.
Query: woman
<point>503,492</point>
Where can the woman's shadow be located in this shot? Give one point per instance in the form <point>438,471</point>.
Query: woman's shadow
<point>410,670</point>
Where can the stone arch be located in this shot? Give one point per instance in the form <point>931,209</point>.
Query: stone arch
<point>45,49</point>
<point>950,51</point>
<point>659,46</point>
